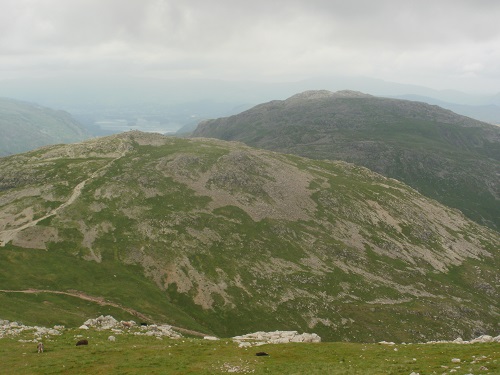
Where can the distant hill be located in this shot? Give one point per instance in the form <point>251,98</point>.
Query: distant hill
<point>445,156</point>
<point>222,238</point>
<point>25,126</point>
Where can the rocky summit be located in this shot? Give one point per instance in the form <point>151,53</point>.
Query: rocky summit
<point>225,239</point>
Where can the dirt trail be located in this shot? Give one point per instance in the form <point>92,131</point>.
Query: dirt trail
<point>101,301</point>
<point>8,235</point>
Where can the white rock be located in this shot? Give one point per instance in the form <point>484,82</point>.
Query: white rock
<point>102,322</point>
<point>455,360</point>
<point>211,338</point>
<point>112,338</point>
<point>482,339</point>
<point>83,326</point>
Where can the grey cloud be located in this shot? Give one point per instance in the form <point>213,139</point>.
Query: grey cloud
<point>389,39</point>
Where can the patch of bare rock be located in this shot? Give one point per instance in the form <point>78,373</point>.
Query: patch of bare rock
<point>276,337</point>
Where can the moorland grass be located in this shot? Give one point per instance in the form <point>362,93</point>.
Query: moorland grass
<point>131,354</point>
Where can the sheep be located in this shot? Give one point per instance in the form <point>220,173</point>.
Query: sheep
<point>82,342</point>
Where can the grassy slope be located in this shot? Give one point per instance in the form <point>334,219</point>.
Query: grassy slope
<point>59,271</point>
<point>139,355</point>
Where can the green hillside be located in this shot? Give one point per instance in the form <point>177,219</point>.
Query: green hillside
<point>445,156</point>
<point>222,238</point>
<point>25,126</point>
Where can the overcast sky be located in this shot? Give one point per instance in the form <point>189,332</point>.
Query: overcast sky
<point>436,43</point>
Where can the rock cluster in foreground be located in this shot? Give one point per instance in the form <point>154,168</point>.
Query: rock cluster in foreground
<point>484,339</point>
<point>12,329</point>
<point>120,327</point>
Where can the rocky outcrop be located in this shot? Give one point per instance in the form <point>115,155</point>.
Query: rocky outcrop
<point>484,339</point>
<point>12,329</point>
<point>119,327</point>
<point>276,337</point>
<point>102,322</point>
<point>158,331</point>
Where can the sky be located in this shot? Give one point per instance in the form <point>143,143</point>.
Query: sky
<point>442,44</point>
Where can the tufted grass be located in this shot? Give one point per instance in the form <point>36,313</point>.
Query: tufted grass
<point>148,355</point>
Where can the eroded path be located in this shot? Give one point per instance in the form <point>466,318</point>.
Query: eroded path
<point>103,302</point>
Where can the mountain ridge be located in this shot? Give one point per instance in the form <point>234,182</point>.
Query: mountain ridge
<point>229,239</point>
<point>447,157</point>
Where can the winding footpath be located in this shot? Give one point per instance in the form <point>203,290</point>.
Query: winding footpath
<point>8,235</point>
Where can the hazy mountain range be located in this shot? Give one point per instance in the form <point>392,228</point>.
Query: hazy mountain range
<point>114,103</point>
